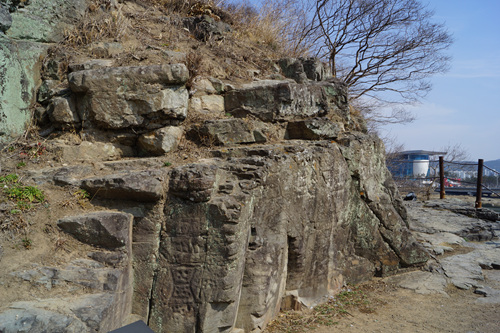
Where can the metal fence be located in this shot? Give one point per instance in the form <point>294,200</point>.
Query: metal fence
<point>452,177</point>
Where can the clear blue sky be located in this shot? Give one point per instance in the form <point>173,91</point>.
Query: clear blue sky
<point>464,105</point>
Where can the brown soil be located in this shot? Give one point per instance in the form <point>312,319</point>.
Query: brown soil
<point>148,30</point>
<point>400,310</point>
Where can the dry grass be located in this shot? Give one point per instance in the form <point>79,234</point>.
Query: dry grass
<point>100,21</point>
<point>212,8</point>
<point>360,298</point>
<point>150,28</point>
<point>195,66</point>
<point>279,25</point>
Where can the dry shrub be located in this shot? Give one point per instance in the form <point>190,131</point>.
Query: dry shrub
<point>194,64</point>
<point>100,21</point>
<point>279,24</point>
<point>177,6</point>
<point>194,7</point>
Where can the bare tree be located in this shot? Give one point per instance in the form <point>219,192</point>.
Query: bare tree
<point>384,50</point>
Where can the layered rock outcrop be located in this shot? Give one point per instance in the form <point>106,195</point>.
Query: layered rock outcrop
<point>243,230</point>
<point>292,200</point>
<point>24,35</point>
<point>217,245</point>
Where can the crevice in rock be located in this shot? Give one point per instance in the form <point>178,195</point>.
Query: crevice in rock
<point>151,298</point>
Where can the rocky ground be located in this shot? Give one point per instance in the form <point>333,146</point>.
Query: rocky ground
<point>458,292</point>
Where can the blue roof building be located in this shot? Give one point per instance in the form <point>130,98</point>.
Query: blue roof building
<point>411,163</point>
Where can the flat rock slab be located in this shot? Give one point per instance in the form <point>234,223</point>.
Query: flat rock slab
<point>93,151</point>
<point>491,296</point>
<point>313,129</point>
<point>112,78</point>
<point>110,230</point>
<point>464,208</point>
<point>437,228</point>
<point>430,220</point>
<point>439,242</point>
<point>227,132</point>
<point>88,313</point>
<point>421,282</point>
<point>143,186</point>
<point>78,274</point>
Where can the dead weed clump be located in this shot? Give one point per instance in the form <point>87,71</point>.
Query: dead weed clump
<point>100,21</point>
<point>215,9</point>
<point>280,25</point>
<point>327,314</point>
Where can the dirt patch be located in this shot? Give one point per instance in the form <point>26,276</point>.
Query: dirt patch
<point>388,308</point>
<point>400,310</point>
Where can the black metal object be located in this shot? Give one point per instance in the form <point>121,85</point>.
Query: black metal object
<point>410,197</point>
<point>479,191</point>
<point>441,177</point>
<point>137,327</point>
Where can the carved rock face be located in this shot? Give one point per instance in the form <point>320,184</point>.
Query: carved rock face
<point>241,232</point>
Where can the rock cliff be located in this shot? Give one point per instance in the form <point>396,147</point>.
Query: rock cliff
<point>289,200</point>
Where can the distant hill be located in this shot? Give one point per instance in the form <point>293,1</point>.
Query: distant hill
<point>493,164</point>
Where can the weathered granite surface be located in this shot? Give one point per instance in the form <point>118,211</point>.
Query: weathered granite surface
<point>241,231</point>
<point>433,218</point>
<point>441,229</point>
<point>122,97</point>
<point>22,47</point>
<point>284,101</point>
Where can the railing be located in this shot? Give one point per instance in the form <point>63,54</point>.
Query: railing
<point>479,182</point>
<point>441,167</point>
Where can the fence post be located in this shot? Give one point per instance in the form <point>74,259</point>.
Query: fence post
<point>479,187</point>
<point>441,177</point>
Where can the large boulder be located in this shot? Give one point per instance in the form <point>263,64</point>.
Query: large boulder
<point>286,101</point>
<point>142,186</point>
<point>110,230</point>
<point>122,97</point>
